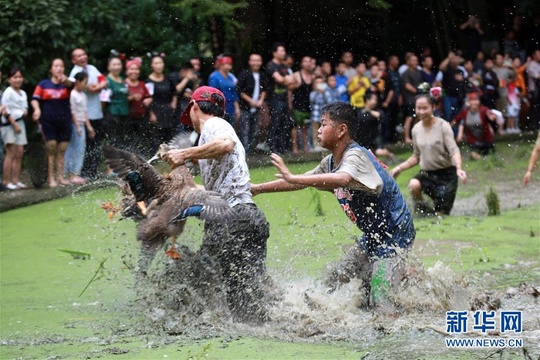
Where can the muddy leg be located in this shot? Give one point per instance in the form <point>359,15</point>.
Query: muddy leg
<point>386,277</point>
<point>354,264</point>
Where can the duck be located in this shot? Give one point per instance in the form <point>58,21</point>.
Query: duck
<point>165,201</point>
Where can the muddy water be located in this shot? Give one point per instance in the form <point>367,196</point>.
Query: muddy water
<point>181,300</point>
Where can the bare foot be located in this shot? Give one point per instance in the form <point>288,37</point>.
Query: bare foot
<point>53,184</point>
<point>64,182</point>
<point>408,141</point>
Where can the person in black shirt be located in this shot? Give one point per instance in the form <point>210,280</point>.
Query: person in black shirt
<point>279,80</point>
<point>185,82</point>
<point>252,87</point>
<point>490,84</point>
<point>454,86</point>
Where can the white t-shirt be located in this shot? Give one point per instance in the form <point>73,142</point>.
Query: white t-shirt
<point>229,174</point>
<point>533,70</point>
<point>78,104</point>
<point>94,77</point>
<point>16,103</point>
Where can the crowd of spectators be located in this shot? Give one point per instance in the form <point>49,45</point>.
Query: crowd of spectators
<point>274,107</point>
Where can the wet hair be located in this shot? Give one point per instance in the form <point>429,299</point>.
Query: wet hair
<point>13,71</point>
<point>342,113</point>
<point>210,108</point>
<point>81,76</point>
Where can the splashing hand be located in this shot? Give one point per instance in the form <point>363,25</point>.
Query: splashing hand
<point>284,172</point>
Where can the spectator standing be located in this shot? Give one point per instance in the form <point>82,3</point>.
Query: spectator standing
<point>318,98</point>
<point>503,73</point>
<point>332,92</point>
<point>164,101</point>
<point>533,73</point>
<point>185,82</point>
<point>96,83</point>
<point>436,150</point>
<point>453,85</point>
<point>409,84</point>
<point>301,86</point>
<point>390,105</point>
<point>117,106</point>
<point>368,133</point>
<point>341,82</point>
<point>358,85</point>
<point>428,75</point>
<point>224,80</point>
<point>13,129</point>
<point>473,33</point>
<point>80,126</point>
<point>138,126</point>
<point>279,80</point>
<point>50,102</point>
<point>347,59</point>
<point>252,87</point>
<point>490,85</point>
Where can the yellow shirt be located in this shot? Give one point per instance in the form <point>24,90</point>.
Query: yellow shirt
<point>357,97</point>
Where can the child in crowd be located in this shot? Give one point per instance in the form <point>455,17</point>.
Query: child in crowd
<point>513,104</point>
<point>332,91</point>
<point>368,132</point>
<point>77,144</point>
<point>15,108</point>
<point>317,99</point>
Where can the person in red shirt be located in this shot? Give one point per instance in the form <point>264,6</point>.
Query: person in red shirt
<point>139,98</point>
<point>473,122</point>
<point>51,108</point>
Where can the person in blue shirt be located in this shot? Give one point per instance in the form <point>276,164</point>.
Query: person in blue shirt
<point>342,81</point>
<point>224,80</point>
<point>369,196</point>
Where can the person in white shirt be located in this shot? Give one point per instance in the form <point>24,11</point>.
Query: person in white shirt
<point>96,82</point>
<point>236,246</point>
<point>15,108</point>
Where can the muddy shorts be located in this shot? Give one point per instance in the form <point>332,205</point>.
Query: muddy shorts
<point>441,186</point>
<point>238,249</point>
<point>301,118</point>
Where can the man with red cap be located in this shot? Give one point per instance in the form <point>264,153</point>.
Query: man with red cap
<point>224,80</point>
<point>238,247</point>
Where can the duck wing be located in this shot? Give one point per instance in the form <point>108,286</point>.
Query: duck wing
<point>143,179</point>
<point>207,205</point>
<point>182,140</point>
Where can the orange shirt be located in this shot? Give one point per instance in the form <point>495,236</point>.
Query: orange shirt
<point>520,80</point>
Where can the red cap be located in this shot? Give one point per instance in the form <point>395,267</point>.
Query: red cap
<point>224,60</point>
<point>203,93</point>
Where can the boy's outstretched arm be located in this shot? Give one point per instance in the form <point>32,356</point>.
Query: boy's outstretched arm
<point>327,181</point>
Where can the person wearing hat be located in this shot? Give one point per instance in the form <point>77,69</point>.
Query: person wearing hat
<point>238,246</point>
<point>224,80</point>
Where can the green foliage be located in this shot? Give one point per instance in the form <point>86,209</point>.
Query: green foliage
<point>379,4</point>
<point>36,32</point>
<point>492,202</point>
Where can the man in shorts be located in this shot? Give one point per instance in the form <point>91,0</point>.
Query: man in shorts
<point>238,246</point>
<point>369,197</point>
